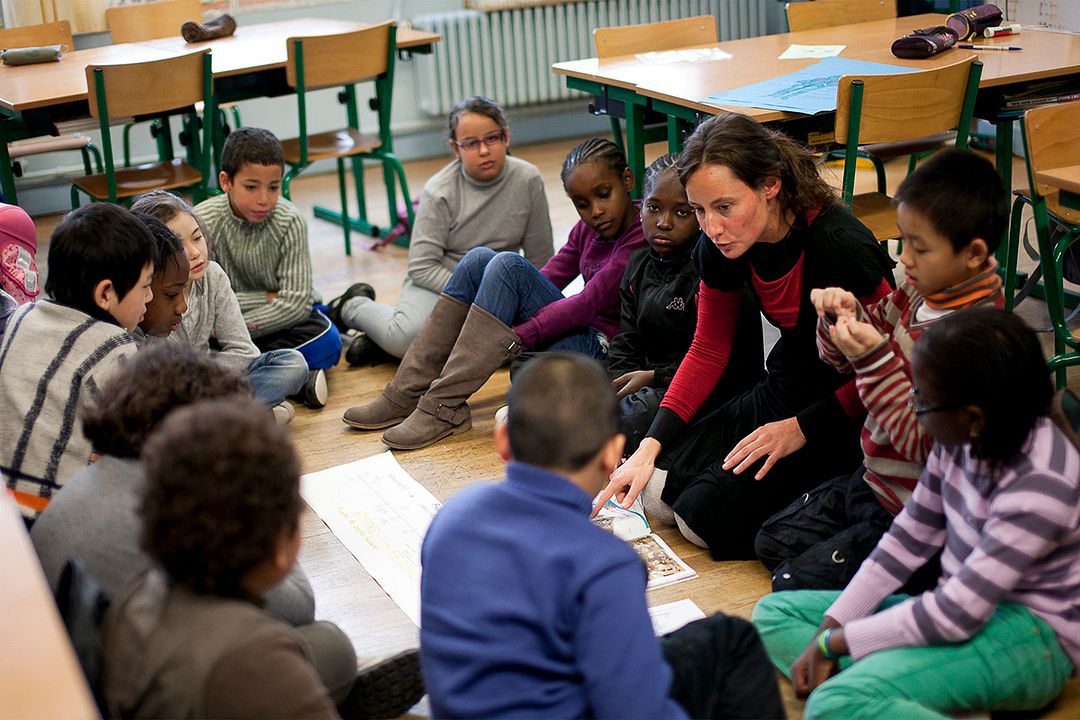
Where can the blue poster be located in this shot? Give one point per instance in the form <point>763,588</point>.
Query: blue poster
<point>810,91</point>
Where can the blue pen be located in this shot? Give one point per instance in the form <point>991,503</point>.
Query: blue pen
<point>989,47</point>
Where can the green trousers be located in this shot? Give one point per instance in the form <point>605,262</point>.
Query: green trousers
<point>1015,663</point>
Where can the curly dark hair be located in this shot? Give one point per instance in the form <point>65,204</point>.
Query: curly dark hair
<point>250,146</point>
<point>157,380</point>
<point>223,485</point>
<point>753,153</point>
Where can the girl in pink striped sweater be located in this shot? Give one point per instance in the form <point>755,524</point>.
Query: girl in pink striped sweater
<point>1000,498</point>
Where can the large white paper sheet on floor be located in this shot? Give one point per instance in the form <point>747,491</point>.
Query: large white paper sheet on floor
<point>671,616</point>
<point>380,514</point>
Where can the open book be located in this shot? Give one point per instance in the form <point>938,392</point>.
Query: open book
<point>631,525</point>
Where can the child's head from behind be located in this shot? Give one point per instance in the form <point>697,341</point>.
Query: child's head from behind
<point>980,377</point>
<point>156,381</point>
<point>563,415</point>
<point>598,181</point>
<point>952,212</point>
<point>252,165</point>
<point>165,311</point>
<point>180,217</point>
<point>101,258</point>
<point>222,504</point>
<point>668,221</point>
<point>479,136</point>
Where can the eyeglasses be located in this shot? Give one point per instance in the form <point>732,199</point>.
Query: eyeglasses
<point>920,410</point>
<point>492,139</point>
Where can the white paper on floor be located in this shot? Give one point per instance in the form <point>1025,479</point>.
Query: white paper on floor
<point>671,616</point>
<point>380,514</point>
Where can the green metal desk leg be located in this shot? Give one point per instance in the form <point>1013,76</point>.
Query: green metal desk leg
<point>1003,159</point>
<point>7,176</point>
<point>635,145</point>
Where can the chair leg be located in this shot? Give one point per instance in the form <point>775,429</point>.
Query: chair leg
<point>127,144</point>
<point>346,222</point>
<point>85,160</point>
<point>357,166</point>
<point>99,167</point>
<point>879,170</point>
<point>912,162</point>
<point>286,182</point>
<point>399,169</point>
<point>74,198</point>
<point>235,111</point>
<point>616,132</point>
<point>1011,250</point>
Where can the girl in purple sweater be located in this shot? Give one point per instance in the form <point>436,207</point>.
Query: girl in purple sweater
<point>497,304</point>
<point>1000,498</point>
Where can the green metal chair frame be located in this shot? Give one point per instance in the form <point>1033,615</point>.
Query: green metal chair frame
<point>203,151</point>
<point>382,104</point>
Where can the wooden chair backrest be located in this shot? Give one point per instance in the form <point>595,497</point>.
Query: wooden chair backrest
<point>827,13</point>
<point>149,21</point>
<point>905,106</point>
<point>652,37</point>
<point>1052,139</point>
<point>150,87</point>
<point>341,59</point>
<point>51,33</point>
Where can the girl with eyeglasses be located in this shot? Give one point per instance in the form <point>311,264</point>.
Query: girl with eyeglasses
<point>1000,499</point>
<point>482,198</point>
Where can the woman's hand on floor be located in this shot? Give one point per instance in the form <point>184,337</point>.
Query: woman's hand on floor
<point>771,441</point>
<point>630,478</point>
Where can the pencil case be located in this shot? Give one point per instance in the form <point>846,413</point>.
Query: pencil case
<point>923,43</point>
<point>969,24</point>
<point>31,55</point>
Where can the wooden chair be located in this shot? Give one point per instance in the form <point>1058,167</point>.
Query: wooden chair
<point>642,125</point>
<point>63,136</point>
<point>827,13</point>
<point>897,108</point>
<point>1051,141</point>
<point>150,21</point>
<point>342,60</point>
<point>120,91</point>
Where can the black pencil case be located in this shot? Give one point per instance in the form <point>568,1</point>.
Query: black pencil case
<point>923,43</point>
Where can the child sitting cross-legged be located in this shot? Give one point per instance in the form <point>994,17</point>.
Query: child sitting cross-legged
<point>190,637</point>
<point>819,541</point>
<point>57,353</point>
<point>1000,500</point>
<point>261,242</point>
<point>213,315</point>
<point>530,610</point>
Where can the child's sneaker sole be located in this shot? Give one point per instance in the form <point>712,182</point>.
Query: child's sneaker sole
<point>387,689</point>
<point>315,392</point>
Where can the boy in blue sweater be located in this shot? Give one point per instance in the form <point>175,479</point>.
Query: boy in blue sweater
<point>528,609</point>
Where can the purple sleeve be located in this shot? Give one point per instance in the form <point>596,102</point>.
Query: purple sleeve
<point>599,296</point>
<point>565,265</point>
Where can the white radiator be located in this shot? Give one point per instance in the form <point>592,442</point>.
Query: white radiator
<point>507,55</point>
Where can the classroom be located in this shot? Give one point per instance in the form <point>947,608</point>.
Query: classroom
<point>555,358</point>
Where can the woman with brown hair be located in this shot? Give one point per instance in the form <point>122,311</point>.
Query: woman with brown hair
<point>771,225</point>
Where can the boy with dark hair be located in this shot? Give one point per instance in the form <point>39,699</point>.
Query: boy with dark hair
<point>190,638</point>
<point>55,354</point>
<point>529,609</point>
<point>952,212</point>
<point>260,240</point>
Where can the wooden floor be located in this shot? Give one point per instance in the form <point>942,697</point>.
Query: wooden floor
<point>345,593</point>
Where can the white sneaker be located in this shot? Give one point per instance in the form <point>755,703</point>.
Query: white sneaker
<point>284,412</point>
<point>315,392</point>
<point>501,414</point>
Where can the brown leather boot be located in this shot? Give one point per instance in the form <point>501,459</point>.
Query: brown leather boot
<point>422,363</point>
<point>482,347</point>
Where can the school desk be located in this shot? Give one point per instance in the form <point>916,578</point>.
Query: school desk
<point>678,89</point>
<point>251,63</point>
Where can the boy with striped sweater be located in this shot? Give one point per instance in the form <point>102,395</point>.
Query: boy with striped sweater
<point>260,240</point>
<point>56,354</point>
<point>819,541</point>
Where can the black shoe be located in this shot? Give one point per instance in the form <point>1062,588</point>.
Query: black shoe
<point>365,351</point>
<point>335,305</point>
<point>314,393</point>
<point>387,689</point>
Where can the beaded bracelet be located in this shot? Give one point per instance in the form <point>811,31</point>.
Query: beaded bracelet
<point>823,644</point>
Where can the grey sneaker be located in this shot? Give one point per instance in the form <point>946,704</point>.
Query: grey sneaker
<point>284,412</point>
<point>315,392</point>
<point>386,689</point>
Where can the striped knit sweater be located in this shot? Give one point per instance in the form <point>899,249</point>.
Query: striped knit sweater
<point>53,360</point>
<point>1016,539</point>
<point>271,256</point>
<point>894,445</point>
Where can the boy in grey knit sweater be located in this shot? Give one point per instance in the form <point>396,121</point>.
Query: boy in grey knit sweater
<point>260,241</point>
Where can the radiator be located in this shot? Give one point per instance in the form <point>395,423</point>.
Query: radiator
<point>507,55</point>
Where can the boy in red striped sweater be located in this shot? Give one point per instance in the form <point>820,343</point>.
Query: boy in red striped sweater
<point>951,212</point>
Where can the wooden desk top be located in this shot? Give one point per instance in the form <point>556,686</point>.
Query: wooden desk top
<point>252,48</point>
<point>1066,178</point>
<point>39,675</point>
<point>755,59</point>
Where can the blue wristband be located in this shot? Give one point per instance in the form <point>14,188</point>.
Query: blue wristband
<point>823,644</point>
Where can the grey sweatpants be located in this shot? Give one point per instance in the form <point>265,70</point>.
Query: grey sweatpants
<point>392,328</point>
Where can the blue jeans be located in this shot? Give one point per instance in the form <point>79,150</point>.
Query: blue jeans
<point>277,374</point>
<point>510,288</point>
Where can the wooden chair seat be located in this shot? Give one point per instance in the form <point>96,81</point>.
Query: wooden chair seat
<point>890,150</point>
<point>142,178</point>
<point>876,212</point>
<point>332,144</point>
